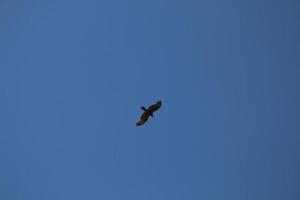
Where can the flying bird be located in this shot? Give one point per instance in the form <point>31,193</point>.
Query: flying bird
<point>148,112</point>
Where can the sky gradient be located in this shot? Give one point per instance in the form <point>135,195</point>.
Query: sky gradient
<point>73,75</point>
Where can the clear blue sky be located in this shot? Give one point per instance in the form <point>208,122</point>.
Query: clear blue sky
<point>73,75</point>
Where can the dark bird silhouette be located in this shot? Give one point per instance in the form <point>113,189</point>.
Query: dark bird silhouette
<point>148,112</point>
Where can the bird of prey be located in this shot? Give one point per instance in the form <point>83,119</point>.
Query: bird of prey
<point>148,112</point>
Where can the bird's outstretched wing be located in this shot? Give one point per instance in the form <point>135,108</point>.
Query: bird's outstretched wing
<point>144,117</point>
<point>154,107</point>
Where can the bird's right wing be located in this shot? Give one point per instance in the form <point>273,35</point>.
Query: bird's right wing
<point>144,117</point>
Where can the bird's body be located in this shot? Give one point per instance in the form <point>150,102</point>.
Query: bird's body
<point>148,112</point>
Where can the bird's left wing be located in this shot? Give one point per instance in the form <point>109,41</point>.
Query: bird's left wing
<point>155,106</point>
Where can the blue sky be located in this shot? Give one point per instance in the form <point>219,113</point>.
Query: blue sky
<point>73,75</point>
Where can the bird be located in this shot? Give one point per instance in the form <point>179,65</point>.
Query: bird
<point>148,112</point>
